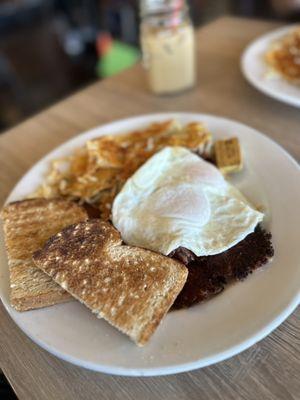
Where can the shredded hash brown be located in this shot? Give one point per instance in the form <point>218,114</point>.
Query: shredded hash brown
<point>283,57</point>
<point>95,173</point>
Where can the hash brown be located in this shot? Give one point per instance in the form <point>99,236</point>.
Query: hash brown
<point>95,173</point>
<point>283,57</point>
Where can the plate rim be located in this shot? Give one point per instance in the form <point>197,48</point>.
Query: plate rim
<point>178,368</point>
<point>287,99</point>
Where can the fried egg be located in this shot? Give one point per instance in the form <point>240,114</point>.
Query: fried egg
<point>178,199</point>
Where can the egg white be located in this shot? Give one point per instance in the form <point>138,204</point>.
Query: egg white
<point>178,199</point>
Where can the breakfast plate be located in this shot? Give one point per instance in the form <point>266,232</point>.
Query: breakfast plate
<point>209,332</point>
<point>255,69</point>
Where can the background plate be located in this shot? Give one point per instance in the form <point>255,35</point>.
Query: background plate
<point>204,334</point>
<point>254,69</point>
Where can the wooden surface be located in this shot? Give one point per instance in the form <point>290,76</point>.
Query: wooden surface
<point>268,370</point>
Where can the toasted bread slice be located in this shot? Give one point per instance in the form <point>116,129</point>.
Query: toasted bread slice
<point>130,287</point>
<point>27,226</point>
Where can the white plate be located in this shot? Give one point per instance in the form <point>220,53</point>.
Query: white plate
<point>204,334</point>
<point>254,69</point>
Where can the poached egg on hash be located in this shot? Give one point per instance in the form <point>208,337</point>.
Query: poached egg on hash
<point>176,199</point>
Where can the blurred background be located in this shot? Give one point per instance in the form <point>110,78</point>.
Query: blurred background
<point>51,48</point>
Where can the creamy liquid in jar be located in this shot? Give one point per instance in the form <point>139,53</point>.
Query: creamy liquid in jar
<point>169,58</point>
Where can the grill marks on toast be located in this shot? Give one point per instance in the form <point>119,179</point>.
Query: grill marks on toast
<point>132,288</point>
<point>28,224</point>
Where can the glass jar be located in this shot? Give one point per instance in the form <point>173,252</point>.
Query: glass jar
<point>168,44</point>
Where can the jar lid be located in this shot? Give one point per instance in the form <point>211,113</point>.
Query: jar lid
<point>148,7</point>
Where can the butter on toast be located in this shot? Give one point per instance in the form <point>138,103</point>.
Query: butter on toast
<point>27,226</point>
<point>130,287</point>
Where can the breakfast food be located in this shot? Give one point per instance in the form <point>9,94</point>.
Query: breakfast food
<point>283,57</point>
<point>130,287</point>
<point>95,173</point>
<point>228,155</point>
<point>176,199</point>
<point>180,231</point>
<point>27,226</point>
<point>209,275</point>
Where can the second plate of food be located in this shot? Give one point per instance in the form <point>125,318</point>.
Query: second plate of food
<point>244,313</point>
<point>271,64</point>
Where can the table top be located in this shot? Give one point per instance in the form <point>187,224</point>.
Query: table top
<point>268,369</point>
